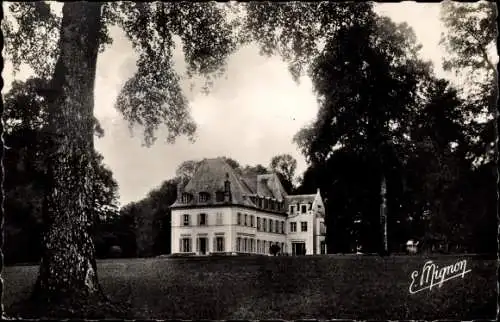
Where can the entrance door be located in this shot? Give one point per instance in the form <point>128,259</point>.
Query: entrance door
<point>298,248</point>
<point>203,246</point>
<point>323,248</point>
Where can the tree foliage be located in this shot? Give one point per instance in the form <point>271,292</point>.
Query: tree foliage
<point>284,165</point>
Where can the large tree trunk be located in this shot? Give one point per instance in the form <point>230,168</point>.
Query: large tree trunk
<point>68,266</point>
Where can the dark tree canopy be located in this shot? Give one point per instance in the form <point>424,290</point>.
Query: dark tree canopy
<point>153,96</point>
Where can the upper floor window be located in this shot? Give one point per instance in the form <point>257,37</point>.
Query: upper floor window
<point>310,205</point>
<point>303,226</point>
<point>258,223</point>
<point>187,197</point>
<point>270,225</point>
<point>322,228</point>
<point>276,226</point>
<point>303,209</point>
<point>252,221</point>
<point>266,203</point>
<point>239,218</point>
<point>219,218</point>
<point>292,209</point>
<point>246,222</point>
<point>264,224</point>
<point>202,219</point>
<point>219,196</point>
<point>185,220</point>
<point>204,196</point>
<point>282,227</point>
<point>293,227</point>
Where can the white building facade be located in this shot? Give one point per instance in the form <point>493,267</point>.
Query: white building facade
<point>221,212</point>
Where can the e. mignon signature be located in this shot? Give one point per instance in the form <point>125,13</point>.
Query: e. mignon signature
<point>431,275</point>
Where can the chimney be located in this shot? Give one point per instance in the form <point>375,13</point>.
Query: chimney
<point>227,189</point>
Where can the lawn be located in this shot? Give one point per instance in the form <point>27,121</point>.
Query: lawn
<point>320,287</point>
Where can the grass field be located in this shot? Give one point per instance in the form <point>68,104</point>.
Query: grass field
<point>320,287</point>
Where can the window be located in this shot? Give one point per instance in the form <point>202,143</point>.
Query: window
<point>204,196</point>
<point>258,223</point>
<point>266,203</point>
<point>303,226</point>
<point>310,205</point>
<point>264,224</point>
<point>246,222</point>
<point>322,228</point>
<point>270,225</point>
<point>245,245</point>
<point>239,218</point>
<point>186,245</point>
<point>293,227</point>
<point>303,209</point>
<point>202,219</point>
<point>186,197</point>
<point>219,244</point>
<point>264,247</point>
<point>252,221</point>
<point>219,196</point>
<point>252,242</point>
<point>276,226</point>
<point>185,220</point>
<point>258,246</point>
<point>219,218</point>
<point>292,209</point>
<point>282,227</point>
<point>238,244</point>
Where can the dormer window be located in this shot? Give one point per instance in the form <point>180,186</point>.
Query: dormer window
<point>304,209</point>
<point>187,197</point>
<point>204,196</point>
<point>219,196</point>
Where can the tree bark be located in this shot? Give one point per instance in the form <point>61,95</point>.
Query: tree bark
<point>68,266</point>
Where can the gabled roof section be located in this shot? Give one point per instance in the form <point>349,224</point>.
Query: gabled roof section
<point>269,185</point>
<point>299,199</point>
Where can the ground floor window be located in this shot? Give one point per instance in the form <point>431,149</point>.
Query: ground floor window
<point>185,245</point>
<point>258,246</point>
<point>238,244</point>
<point>219,244</point>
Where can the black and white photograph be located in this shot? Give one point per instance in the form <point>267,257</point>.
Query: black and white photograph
<point>249,160</point>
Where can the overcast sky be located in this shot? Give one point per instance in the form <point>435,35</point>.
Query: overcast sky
<point>251,115</point>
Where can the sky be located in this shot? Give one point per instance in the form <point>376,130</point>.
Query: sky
<point>250,115</point>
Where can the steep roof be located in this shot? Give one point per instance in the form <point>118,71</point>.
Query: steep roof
<point>209,177</point>
<point>269,185</point>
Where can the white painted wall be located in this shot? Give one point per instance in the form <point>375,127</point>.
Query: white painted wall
<point>211,229</point>
<point>231,230</point>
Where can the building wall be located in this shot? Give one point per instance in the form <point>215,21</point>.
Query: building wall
<point>301,236</point>
<point>211,230</point>
<point>231,230</point>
